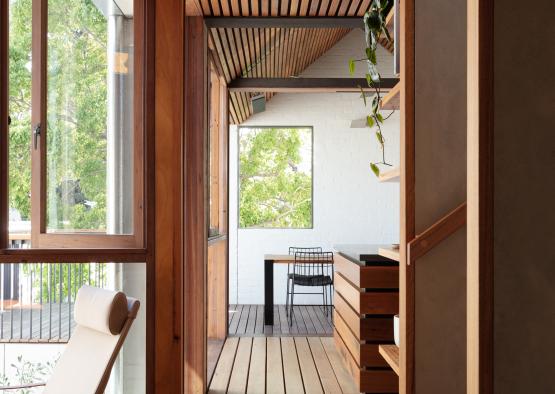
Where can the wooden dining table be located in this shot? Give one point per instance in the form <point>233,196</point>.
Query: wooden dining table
<point>269,261</point>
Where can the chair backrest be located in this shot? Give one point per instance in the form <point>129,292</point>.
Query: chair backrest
<point>295,249</point>
<point>313,263</point>
<point>103,319</point>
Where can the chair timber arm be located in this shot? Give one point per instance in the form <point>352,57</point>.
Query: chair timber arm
<point>22,386</point>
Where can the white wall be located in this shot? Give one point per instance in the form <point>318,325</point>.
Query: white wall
<point>350,205</point>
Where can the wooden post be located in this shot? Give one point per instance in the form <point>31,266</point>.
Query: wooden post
<point>4,29</point>
<point>168,259</point>
<point>195,202</point>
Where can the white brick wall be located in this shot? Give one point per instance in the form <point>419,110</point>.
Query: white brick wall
<point>350,206</point>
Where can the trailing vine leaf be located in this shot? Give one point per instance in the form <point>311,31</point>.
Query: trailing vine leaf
<point>363,95</point>
<point>375,169</point>
<point>374,27</point>
<point>351,66</point>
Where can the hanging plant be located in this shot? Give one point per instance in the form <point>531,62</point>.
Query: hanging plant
<point>374,27</point>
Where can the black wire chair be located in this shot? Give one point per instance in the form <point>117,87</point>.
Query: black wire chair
<point>292,251</point>
<point>312,269</point>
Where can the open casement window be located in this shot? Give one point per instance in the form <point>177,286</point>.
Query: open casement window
<point>87,135</point>
<point>218,155</point>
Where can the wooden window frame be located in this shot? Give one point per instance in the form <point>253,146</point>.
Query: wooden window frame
<point>40,238</point>
<point>80,246</point>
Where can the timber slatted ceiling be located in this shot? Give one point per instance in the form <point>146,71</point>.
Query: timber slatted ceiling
<point>266,53</point>
<point>272,52</point>
<point>284,7</point>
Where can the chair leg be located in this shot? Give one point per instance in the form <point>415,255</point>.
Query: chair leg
<point>291,304</point>
<point>287,299</point>
<point>324,300</point>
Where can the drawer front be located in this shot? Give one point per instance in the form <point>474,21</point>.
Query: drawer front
<point>365,355</point>
<point>369,302</point>
<point>368,277</point>
<point>364,329</point>
<point>368,381</point>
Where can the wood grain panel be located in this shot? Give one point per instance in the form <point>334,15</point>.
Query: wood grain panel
<point>365,355</point>
<point>217,289</point>
<point>195,203</point>
<point>382,302</point>
<point>168,260</point>
<point>4,139</point>
<point>369,381</point>
<point>376,277</point>
<point>364,329</point>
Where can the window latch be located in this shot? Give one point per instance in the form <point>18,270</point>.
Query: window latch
<point>36,134</point>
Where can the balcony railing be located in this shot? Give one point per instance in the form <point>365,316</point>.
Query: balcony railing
<point>36,300</point>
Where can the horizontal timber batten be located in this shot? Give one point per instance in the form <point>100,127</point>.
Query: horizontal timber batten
<point>306,85</point>
<point>285,22</point>
<point>72,255</point>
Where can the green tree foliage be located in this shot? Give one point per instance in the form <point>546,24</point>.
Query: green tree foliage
<point>274,191</point>
<point>76,110</point>
<point>20,106</point>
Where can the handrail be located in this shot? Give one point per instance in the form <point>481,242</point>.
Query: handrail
<point>436,233</point>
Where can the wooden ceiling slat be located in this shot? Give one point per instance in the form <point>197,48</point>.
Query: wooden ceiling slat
<point>235,8</point>
<point>353,9</point>
<point>302,52</point>
<point>290,52</point>
<point>295,43</point>
<point>257,51</point>
<point>314,46</point>
<point>324,5</point>
<point>246,51</point>
<point>272,61</point>
<point>287,53</point>
<point>240,49</point>
<point>343,8</point>
<point>213,55</point>
<point>265,8</point>
<point>364,5</point>
<point>245,98</point>
<point>313,9</point>
<point>205,5</point>
<point>224,4</point>
<point>284,10</point>
<point>334,7</point>
<point>233,96</point>
<point>282,52</point>
<point>255,11</point>
<point>234,67</point>
<point>232,110</point>
<point>307,47</point>
<point>304,8</point>
<point>245,7</point>
<point>220,51</point>
<point>252,55</point>
<point>275,8</point>
<point>293,8</point>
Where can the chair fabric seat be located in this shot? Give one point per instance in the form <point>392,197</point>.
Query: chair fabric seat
<point>311,280</point>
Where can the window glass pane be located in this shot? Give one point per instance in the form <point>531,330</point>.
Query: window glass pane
<point>90,116</point>
<point>275,177</point>
<point>20,126</point>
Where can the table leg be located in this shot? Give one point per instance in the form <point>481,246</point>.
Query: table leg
<point>269,292</point>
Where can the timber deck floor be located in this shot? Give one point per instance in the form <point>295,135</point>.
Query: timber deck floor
<point>309,320</point>
<point>280,365</point>
<point>46,323</point>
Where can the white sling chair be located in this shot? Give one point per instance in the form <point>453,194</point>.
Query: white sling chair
<point>103,320</point>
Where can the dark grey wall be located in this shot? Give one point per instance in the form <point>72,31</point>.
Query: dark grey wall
<point>440,93</point>
<point>524,197</point>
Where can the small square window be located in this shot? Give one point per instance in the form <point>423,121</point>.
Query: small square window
<point>275,177</point>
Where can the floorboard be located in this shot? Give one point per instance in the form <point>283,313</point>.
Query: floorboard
<point>279,365</point>
<point>308,320</point>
